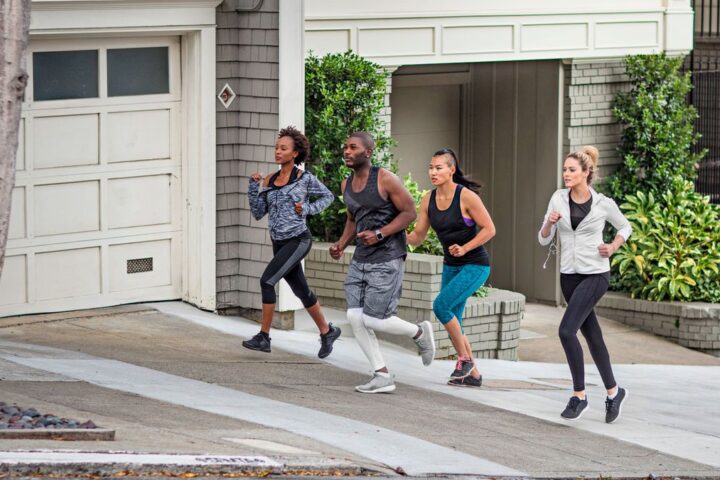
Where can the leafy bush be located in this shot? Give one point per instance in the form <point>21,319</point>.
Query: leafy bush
<point>431,245</point>
<point>658,127</point>
<point>344,93</point>
<point>674,250</point>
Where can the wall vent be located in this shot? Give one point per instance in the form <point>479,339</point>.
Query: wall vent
<point>139,265</point>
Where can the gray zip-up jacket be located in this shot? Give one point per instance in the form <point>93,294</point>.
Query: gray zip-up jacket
<point>579,253</point>
<point>279,204</point>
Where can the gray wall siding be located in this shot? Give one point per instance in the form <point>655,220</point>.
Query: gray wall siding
<point>590,89</point>
<point>515,125</point>
<point>247,59</point>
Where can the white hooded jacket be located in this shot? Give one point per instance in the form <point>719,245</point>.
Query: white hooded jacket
<point>579,248</point>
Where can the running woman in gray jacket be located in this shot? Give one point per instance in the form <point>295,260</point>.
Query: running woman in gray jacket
<point>287,198</point>
<point>578,213</point>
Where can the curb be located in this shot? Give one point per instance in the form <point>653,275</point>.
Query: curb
<point>66,434</point>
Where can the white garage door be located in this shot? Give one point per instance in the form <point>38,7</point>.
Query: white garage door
<point>97,213</point>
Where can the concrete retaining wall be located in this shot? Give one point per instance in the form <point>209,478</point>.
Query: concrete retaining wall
<point>694,325</point>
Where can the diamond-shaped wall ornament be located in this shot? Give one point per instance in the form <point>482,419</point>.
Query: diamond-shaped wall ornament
<point>226,96</point>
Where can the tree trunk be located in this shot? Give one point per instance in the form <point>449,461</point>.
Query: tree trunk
<point>14,26</point>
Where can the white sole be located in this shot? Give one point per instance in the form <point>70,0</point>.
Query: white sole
<point>627,395</point>
<point>428,330</point>
<point>578,417</point>
<point>388,389</point>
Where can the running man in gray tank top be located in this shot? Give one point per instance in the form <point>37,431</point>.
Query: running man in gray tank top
<point>379,211</point>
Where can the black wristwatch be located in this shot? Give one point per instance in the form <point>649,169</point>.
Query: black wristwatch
<point>379,235</point>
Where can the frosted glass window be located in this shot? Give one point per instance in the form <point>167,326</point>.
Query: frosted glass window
<point>138,71</point>
<point>65,75</point>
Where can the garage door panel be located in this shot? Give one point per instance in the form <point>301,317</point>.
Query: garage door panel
<point>67,273</point>
<point>63,208</point>
<point>18,213</point>
<point>140,265</point>
<point>139,135</point>
<point>139,201</point>
<point>20,157</point>
<point>13,283</point>
<point>65,141</point>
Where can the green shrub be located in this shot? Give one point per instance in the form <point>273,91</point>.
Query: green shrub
<point>674,250</point>
<point>344,93</point>
<point>658,128</point>
<point>431,245</point>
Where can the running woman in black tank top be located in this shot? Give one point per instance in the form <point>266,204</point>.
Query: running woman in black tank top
<point>463,225</point>
<point>379,211</point>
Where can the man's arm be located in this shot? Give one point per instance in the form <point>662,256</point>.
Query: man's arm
<point>337,249</point>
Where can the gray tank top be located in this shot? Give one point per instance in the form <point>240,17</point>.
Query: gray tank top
<point>371,212</point>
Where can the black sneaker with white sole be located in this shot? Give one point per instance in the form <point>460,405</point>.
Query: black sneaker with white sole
<point>260,342</point>
<point>613,407</point>
<point>462,369</point>
<point>575,408</point>
<point>327,340</point>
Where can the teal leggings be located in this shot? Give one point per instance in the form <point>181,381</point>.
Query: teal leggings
<point>458,284</point>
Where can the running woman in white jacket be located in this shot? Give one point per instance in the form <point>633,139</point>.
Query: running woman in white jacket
<point>578,213</point>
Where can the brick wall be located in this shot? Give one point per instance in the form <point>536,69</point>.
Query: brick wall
<point>492,324</point>
<point>692,325</point>
<point>247,59</point>
<point>590,89</point>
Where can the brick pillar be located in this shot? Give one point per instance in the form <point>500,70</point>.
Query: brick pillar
<point>590,89</point>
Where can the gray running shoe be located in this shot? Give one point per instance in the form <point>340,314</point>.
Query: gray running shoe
<point>378,384</point>
<point>426,343</point>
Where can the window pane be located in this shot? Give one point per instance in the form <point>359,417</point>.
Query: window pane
<point>63,75</point>
<point>138,71</point>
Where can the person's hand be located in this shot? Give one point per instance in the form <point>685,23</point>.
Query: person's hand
<point>298,208</point>
<point>256,177</point>
<point>554,217</point>
<point>606,250</point>
<point>336,251</point>
<point>368,237</point>
<point>457,250</point>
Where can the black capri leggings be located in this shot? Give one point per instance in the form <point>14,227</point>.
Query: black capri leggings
<point>286,264</point>
<point>581,293</point>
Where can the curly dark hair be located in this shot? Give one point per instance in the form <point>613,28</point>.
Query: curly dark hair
<point>300,141</point>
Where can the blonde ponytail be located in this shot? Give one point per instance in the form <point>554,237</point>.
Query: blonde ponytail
<point>587,157</point>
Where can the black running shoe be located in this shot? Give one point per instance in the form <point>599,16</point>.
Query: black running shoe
<point>575,408</point>
<point>613,407</point>
<point>468,381</point>
<point>462,369</point>
<point>327,340</point>
<point>260,342</point>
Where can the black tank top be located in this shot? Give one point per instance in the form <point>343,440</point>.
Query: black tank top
<point>371,212</point>
<point>451,229</point>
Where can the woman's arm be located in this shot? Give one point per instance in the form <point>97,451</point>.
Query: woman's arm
<point>547,231</point>
<point>617,220</point>
<point>317,189</point>
<point>422,225</point>
<point>472,206</point>
<point>258,203</point>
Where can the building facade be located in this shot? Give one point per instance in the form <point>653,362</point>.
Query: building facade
<point>143,120</point>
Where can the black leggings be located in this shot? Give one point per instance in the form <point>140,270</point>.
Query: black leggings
<point>581,293</point>
<point>286,264</point>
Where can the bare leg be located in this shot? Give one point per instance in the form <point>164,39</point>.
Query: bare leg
<point>268,309</point>
<point>318,317</point>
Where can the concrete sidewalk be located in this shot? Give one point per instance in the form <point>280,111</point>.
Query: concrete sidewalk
<point>176,381</point>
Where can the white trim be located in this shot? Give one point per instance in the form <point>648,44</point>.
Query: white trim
<point>199,280</point>
<point>672,20</point>
<point>291,101</point>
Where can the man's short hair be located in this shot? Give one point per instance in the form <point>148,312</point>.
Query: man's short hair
<point>367,140</point>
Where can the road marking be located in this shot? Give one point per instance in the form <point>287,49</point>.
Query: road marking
<point>271,446</point>
<point>71,457</point>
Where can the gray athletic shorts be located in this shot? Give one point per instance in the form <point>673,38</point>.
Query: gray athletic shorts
<point>375,287</point>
